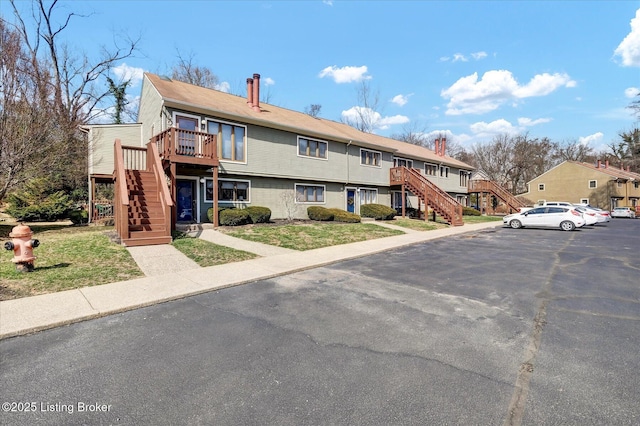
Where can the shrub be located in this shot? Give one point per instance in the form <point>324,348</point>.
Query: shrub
<point>340,215</point>
<point>78,217</point>
<point>377,211</point>
<point>259,214</point>
<point>210,213</point>
<point>234,217</point>
<point>38,203</point>
<point>319,213</point>
<point>470,211</point>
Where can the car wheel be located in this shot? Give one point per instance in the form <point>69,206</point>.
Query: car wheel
<point>515,224</point>
<point>567,226</point>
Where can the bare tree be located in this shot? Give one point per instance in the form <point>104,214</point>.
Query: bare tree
<point>58,86</point>
<point>26,128</point>
<point>573,150</point>
<point>414,133</point>
<point>627,151</point>
<point>313,110</point>
<point>365,115</point>
<point>635,106</point>
<point>512,161</point>
<point>186,71</point>
<point>289,203</point>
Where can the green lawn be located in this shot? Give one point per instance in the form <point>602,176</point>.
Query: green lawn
<point>205,253</point>
<point>68,257</point>
<point>80,256</point>
<point>312,235</point>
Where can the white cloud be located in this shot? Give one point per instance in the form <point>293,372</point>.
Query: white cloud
<point>591,139</point>
<point>459,57</point>
<point>401,100</point>
<point>355,114</point>
<point>496,127</point>
<point>386,122</point>
<point>631,92</point>
<point>269,81</point>
<point>479,55</point>
<point>527,122</point>
<point>125,73</point>
<point>629,48</point>
<point>502,126</point>
<point>223,87</point>
<point>345,74</point>
<point>469,95</point>
<point>328,2</point>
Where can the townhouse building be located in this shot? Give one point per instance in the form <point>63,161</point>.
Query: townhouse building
<point>214,150</point>
<point>600,185</point>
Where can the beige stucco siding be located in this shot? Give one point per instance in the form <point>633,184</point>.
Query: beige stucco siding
<point>101,139</point>
<point>570,182</point>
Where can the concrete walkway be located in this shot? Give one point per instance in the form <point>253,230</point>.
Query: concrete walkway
<point>166,282</point>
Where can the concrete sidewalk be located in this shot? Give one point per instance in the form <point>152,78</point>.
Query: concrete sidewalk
<point>165,283</point>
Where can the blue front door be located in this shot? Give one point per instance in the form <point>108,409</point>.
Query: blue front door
<point>185,200</point>
<point>351,200</point>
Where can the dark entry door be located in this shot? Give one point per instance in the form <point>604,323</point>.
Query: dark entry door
<point>185,202</point>
<point>351,200</point>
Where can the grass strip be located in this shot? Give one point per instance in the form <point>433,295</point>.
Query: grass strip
<point>311,236</point>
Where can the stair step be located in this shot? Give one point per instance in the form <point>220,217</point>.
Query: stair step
<point>153,221</point>
<point>143,231</point>
<point>146,241</point>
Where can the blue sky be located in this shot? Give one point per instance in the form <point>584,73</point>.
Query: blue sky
<point>566,70</point>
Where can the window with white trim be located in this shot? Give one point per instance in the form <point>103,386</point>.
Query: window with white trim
<point>402,162</point>
<point>228,190</point>
<point>431,169</point>
<point>444,171</point>
<point>584,201</point>
<point>312,148</point>
<point>232,144</point>
<point>541,187</point>
<point>368,196</point>
<point>370,158</point>
<point>593,184</point>
<point>309,193</point>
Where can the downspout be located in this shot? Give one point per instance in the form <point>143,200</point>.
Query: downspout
<point>348,173</point>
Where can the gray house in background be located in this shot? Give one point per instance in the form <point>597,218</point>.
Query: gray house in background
<point>222,150</point>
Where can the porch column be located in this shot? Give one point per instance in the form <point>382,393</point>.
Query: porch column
<point>215,197</point>
<point>174,196</point>
<point>403,199</point>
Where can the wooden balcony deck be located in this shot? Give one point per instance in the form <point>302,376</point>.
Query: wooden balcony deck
<point>187,147</point>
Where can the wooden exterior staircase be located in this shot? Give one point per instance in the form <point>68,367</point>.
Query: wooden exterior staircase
<point>142,199</point>
<point>441,202</point>
<point>484,186</point>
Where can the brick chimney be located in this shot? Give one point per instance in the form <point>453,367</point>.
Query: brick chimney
<point>250,92</point>
<point>256,92</point>
<point>438,146</point>
<point>443,146</point>
<point>606,164</point>
<point>599,165</point>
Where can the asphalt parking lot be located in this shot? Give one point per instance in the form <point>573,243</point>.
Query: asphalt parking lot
<point>506,326</point>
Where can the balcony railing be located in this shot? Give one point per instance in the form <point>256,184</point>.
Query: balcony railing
<point>187,146</point>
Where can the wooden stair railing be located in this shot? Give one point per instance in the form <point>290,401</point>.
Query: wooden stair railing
<point>434,197</point>
<point>492,187</point>
<point>143,203</point>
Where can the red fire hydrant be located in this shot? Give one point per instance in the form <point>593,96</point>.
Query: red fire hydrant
<point>22,245</point>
